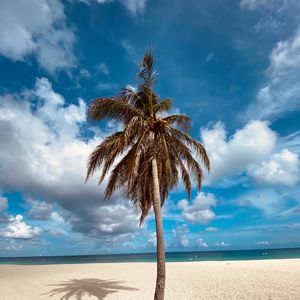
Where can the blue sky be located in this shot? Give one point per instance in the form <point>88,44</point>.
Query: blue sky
<point>232,66</point>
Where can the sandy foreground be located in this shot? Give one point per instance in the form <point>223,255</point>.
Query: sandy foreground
<point>269,279</point>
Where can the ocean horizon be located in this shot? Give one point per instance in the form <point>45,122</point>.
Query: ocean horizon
<point>253,254</point>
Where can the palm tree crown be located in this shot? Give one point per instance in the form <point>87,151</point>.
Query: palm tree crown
<point>148,133</point>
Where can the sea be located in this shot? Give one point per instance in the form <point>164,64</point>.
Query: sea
<point>151,257</point>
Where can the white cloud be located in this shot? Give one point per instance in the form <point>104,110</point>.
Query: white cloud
<point>222,244</point>
<point>290,212</point>
<point>62,120</point>
<point>117,218</point>
<point>180,234</point>
<point>211,229</point>
<point>40,210</point>
<point>268,200</point>
<point>251,151</point>
<point>280,93</point>
<point>135,7</point>
<point>151,239</point>
<point>36,27</point>
<point>231,155</point>
<point>199,211</point>
<point>200,242</point>
<point>280,168</point>
<point>291,142</point>
<point>85,73</point>
<point>18,229</point>
<point>184,242</point>
<point>48,162</point>
<point>129,48</point>
<point>285,55</point>
<point>14,247</point>
<point>275,17</point>
<point>57,218</point>
<point>103,68</point>
<point>57,225</point>
<point>255,4</point>
<point>262,243</point>
<point>107,86</point>
<point>274,201</point>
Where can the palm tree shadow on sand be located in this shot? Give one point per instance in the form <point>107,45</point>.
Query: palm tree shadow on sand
<point>77,288</point>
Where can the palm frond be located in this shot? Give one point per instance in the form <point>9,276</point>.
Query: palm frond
<point>182,122</point>
<point>134,127</point>
<point>200,150</point>
<point>163,105</point>
<point>147,73</point>
<point>185,178</point>
<point>123,171</point>
<point>183,152</point>
<point>129,94</point>
<point>102,151</point>
<point>113,108</point>
<point>147,135</point>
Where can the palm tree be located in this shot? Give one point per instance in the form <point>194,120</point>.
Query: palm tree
<point>154,150</point>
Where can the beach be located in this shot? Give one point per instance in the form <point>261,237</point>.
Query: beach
<point>252,279</point>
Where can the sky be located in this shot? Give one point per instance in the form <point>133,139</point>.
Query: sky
<point>232,66</point>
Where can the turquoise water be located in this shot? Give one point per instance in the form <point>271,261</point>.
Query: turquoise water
<point>150,257</point>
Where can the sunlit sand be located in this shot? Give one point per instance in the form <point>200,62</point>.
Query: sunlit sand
<point>268,279</point>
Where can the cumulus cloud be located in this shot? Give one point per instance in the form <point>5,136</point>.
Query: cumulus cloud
<point>103,68</point>
<point>200,242</point>
<point>280,168</point>
<point>280,93</point>
<point>184,241</point>
<point>229,156</point>
<point>18,229</point>
<point>151,238</point>
<point>180,234</point>
<point>222,244</point>
<point>250,150</point>
<point>13,247</point>
<point>108,219</point>
<point>135,7</point>
<point>262,243</point>
<point>270,201</point>
<point>36,27</point>
<point>48,162</point>
<point>57,218</point>
<point>199,211</point>
<point>40,210</point>
<point>114,242</point>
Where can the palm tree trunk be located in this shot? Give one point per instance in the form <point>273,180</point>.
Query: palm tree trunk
<point>160,248</point>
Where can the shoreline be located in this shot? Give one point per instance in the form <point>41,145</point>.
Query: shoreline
<point>223,255</point>
<point>251,279</point>
<point>150,262</point>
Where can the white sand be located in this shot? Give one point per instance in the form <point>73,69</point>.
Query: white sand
<point>269,279</point>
